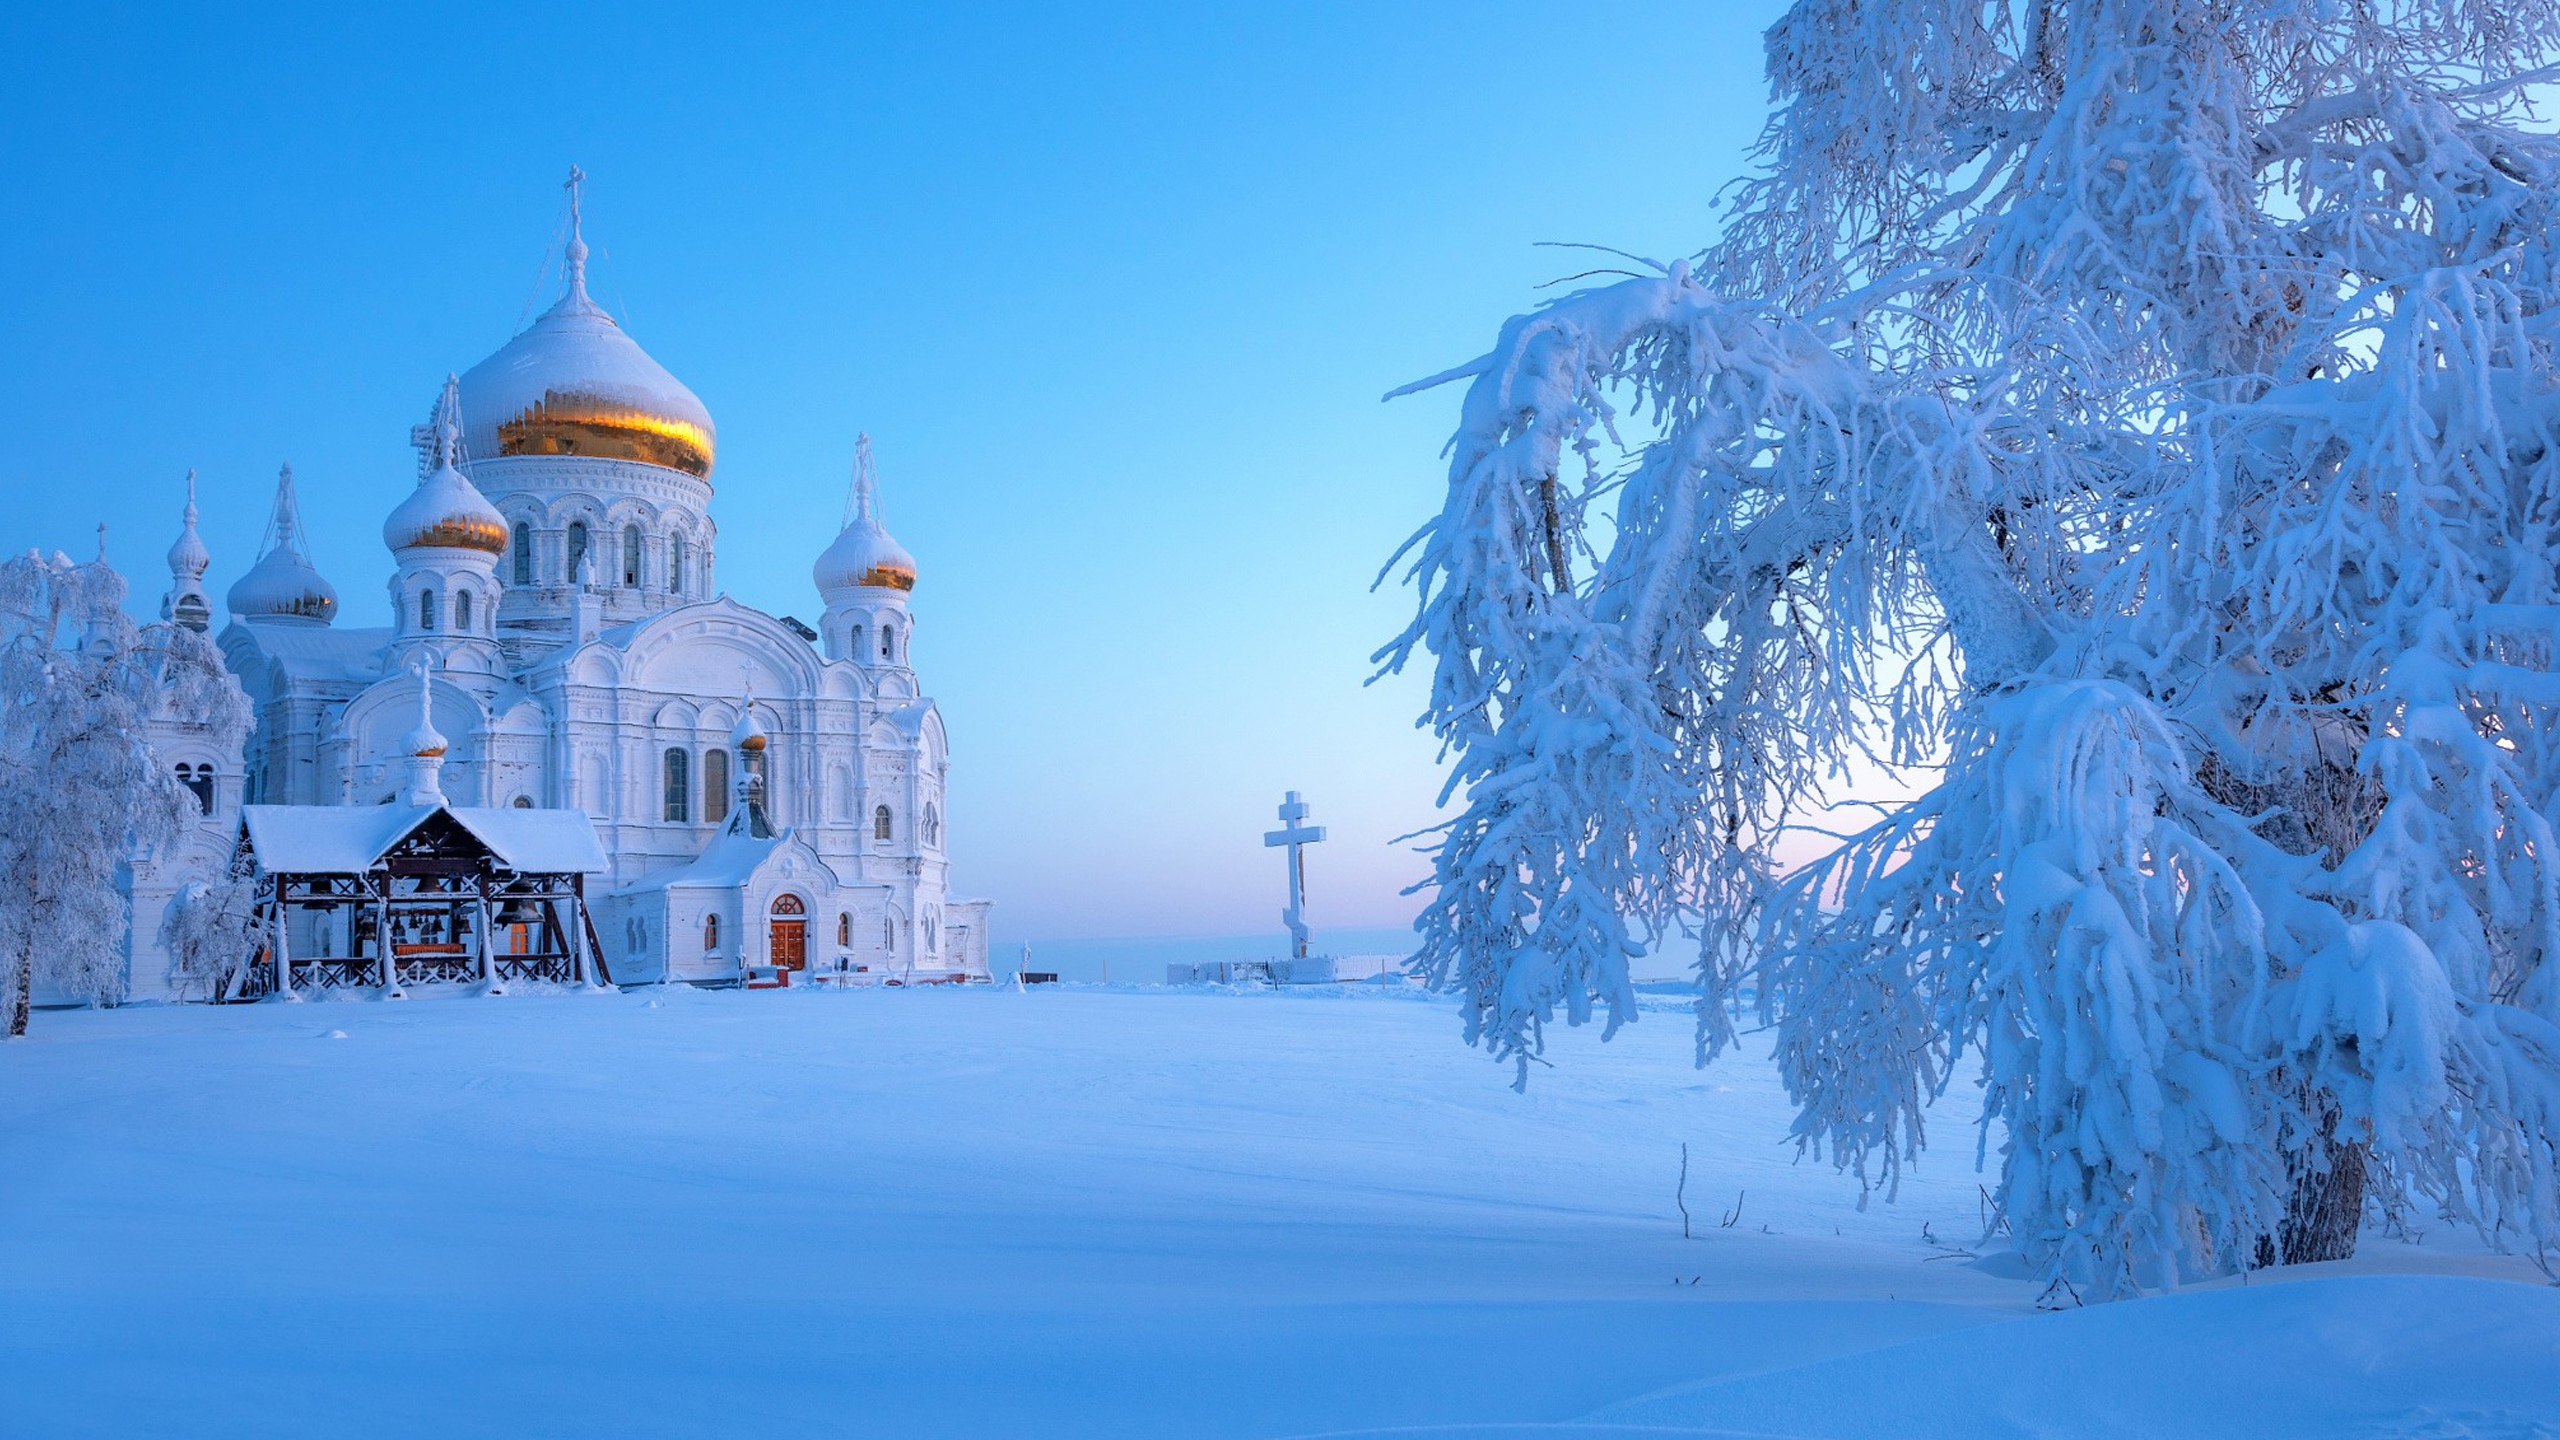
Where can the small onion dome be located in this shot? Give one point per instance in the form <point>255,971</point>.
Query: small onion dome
<point>864,555</point>
<point>446,512</point>
<point>284,586</point>
<point>749,734</point>
<point>574,384</point>
<point>188,559</point>
<point>424,742</point>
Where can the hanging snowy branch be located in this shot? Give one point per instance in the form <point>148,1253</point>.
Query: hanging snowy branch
<point>2145,412</point>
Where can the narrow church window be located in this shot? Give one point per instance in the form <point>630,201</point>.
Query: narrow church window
<point>715,784</point>
<point>710,933</point>
<point>199,782</point>
<point>462,611</point>
<point>631,557</point>
<point>679,800</point>
<point>675,564</point>
<point>888,643</point>
<point>932,824</point>
<point>853,646</point>
<point>880,823</point>
<point>524,553</point>
<point>889,934</point>
<point>577,549</point>
<point>844,928</point>
<point>426,609</point>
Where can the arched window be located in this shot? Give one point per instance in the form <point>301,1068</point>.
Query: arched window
<point>462,611</point>
<point>523,802</point>
<point>524,553</point>
<point>679,798</point>
<point>787,904</point>
<point>710,933</point>
<point>888,643</point>
<point>426,610</point>
<point>844,928</point>
<point>577,549</point>
<point>675,564</point>
<point>932,824</point>
<point>853,642</point>
<point>715,783</point>
<point>630,557</point>
<point>932,933</point>
<point>880,823</point>
<point>199,782</point>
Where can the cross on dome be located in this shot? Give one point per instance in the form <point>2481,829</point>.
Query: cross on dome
<point>576,254</point>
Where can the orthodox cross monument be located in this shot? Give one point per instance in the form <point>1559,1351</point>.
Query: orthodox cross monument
<point>1297,837</point>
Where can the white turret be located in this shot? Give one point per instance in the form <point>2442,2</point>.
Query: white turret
<point>864,578</point>
<point>424,749</point>
<point>188,558</point>
<point>748,739</point>
<point>447,538</point>
<point>284,588</point>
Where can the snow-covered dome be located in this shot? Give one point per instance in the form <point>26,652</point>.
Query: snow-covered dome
<point>284,585</point>
<point>446,511</point>
<point>863,555</point>
<point>188,558</point>
<point>425,742</point>
<point>574,384</point>
<point>748,734</point>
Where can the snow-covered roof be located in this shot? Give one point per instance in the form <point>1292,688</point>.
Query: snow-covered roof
<point>908,717</point>
<point>349,839</point>
<point>310,653</point>
<point>729,860</point>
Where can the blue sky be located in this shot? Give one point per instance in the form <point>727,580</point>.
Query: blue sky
<point>1115,290</point>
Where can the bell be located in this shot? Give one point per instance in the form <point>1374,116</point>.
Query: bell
<point>517,910</point>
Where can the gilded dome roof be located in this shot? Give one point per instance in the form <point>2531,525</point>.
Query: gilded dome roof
<point>574,384</point>
<point>446,511</point>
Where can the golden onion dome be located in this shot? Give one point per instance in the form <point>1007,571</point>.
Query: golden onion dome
<point>446,512</point>
<point>749,734</point>
<point>864,556</point>
<point>424,742</point>
<point>574,384</point>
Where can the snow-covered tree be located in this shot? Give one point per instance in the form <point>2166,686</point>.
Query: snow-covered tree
<point>80,787</point>
<point>210,931</point>
<point>2138,418</point>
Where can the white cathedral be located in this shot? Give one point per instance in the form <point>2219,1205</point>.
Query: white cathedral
<point>766,799</point>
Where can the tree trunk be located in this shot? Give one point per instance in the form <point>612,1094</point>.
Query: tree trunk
<point>2326,1208</point>
<point>22,991</point>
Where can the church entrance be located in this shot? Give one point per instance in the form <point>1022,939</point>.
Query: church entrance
<point>788,946</point>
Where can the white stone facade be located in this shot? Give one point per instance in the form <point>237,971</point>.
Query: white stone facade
<point>561,590</point>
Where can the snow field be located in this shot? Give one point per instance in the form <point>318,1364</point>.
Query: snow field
<point>1075,1211</point>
